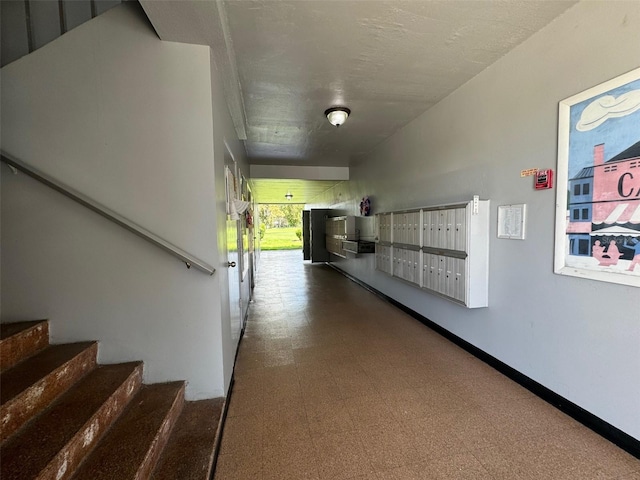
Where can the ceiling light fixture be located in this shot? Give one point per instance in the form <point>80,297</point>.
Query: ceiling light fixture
<point>288,195</point>
<point>337,115</point>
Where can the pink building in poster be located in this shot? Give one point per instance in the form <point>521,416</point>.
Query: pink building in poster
<point>616,192</point>
<point>604,202</point>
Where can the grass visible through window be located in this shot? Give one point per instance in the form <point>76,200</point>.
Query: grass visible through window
<point>284,238</point>
<point>280,226</point>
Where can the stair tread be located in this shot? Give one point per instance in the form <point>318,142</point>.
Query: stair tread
<point>125,446</point>
<point>31,450</point>
<point>17,379</point>
<point>191,447</point>
<point>10,329</point>
<point>21,340</point>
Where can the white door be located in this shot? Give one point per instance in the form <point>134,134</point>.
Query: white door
<point>233,260</point>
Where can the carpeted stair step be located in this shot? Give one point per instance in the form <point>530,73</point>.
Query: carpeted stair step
<point>192,445</point>
<point>130,450</point>
<point>20,340</point>
<point>56,442</point>
<point>36,382</point>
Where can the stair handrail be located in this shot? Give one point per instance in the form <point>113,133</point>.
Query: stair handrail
<point>189,259</point>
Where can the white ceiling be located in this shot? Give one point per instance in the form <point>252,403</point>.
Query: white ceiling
<point>285,62</point>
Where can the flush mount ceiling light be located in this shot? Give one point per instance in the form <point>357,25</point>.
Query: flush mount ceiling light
<point>337,115</point>
<point>288,195</point>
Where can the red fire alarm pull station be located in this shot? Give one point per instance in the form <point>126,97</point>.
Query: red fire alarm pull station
<point>543,179</point>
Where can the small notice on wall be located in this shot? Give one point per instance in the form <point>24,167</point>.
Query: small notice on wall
<point>528,172</point>
<point>511,221</point>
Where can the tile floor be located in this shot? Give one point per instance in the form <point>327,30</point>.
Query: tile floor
<point>332,382</point>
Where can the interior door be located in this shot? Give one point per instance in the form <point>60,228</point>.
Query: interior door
<point>252,243</point>
<point>306,235</point>
<point>319,252</point>
<point>233,251</point>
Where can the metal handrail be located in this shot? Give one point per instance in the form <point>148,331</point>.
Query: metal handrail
<point>187,258</point>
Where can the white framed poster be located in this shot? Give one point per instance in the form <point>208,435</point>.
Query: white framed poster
<point>511,221</point>
<point>598,192</point>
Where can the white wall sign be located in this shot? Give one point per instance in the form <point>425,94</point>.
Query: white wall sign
<point>511,221</point>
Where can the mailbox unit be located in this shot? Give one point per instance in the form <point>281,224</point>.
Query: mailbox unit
<point>383,258</point>
<point>351,234</point>
<point>443,249</point>
<point>337,230</point>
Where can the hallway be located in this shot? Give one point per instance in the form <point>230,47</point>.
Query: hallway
<point>331,382</point>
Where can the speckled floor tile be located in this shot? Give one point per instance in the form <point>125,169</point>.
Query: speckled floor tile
<point>236,466</point>
<point>332,383</point>
<point>328,417</point>
<point>284,423</point>
<point>459,467</point>
<point>341,456</point>
<point>389,445</point>
<point>368,409</point>
<point>405,472</point>
<point>243,434</point>
<point>291,458</point>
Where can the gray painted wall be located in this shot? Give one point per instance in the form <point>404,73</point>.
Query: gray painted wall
<point>585,345</point>
<point>126,119</point>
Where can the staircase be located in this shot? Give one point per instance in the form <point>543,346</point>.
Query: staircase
<point>34,24</point>
<point>65,417</point>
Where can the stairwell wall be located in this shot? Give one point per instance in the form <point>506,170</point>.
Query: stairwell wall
<point>580,338</point>
<point>126,119</point>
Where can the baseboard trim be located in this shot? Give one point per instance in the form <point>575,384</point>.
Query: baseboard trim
<point>588,419</point>
<point>227,401</point>
<point>221,423</point>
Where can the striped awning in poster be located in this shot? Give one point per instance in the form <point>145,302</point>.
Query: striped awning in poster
<point>615,231</point>
<point>622,213</point>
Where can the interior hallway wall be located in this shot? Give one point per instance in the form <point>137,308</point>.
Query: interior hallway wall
<point>580,338</point>
<point>201,23</point>
<point>126,119</point>
<point>225,137</point>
